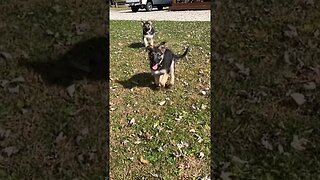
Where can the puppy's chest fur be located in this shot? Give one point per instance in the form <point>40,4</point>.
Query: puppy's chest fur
<point>148,33</point>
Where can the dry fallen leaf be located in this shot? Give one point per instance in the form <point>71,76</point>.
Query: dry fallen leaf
<point>242,70</point>
<point>49,32</point>
<point>71,89</point>
<point>280,149</point>
<point>4,133</point>
<point>78,139</point>
<point>238,160</point>
<point>60,137</point>
<point>225,175</point>
<point>287,58</point>
<point>143,161</point>
<point>162,103</point>
<point>5,55</point>
<point>4,82</point>
<point>11,150</point>
<point>292,32</point>
<point>298,144</point>
<point>298,98</point>
<point>148,136</point>
<point>155,175</point>
<point>132,122</point>
<point>240,111</point>
<point>207,177</point>
<point>201,155</point>
<point>310,2</point>
<point>316,33</point>
<point>81,158</point>
<point>124,142</point>
<point>93,157</point>
<point>14,89</point>
<point>84,131</point>
<point>266,143</point>
<point>310,86</point>
<point>57,8</point>
<point>160,149</point>
<point>182,145</point>
<point>203,106</point>
<point>24,110</point>
<point>18,79</point>
<point>81,28</point>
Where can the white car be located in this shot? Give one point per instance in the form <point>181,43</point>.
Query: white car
<point>135,5</point>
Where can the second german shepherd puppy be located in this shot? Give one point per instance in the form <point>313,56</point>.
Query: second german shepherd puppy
<point>148,33</point>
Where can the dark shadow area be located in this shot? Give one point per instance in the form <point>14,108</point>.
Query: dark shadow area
<point>136,45</point>
<point>86,59</point>
<point>144,79</point>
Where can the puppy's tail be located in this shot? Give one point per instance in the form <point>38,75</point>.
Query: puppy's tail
<point>180,56</point>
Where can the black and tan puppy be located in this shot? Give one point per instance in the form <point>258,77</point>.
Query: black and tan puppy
<point>148,32</point>
<point>162,63</point>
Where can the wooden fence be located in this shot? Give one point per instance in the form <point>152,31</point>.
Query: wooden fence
<point>190,5</point>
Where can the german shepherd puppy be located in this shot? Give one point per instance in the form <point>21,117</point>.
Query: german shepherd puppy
<point>162,63</point>
<point>148,32</point>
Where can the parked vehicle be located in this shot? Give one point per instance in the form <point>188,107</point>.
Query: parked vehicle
<point>117,2</point>
<point>135,5</point>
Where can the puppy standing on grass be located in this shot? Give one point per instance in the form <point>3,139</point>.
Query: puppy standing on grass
<point>148,33</point>
<point>162,63</point>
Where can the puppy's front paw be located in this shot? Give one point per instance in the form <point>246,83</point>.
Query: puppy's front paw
<point>168,86</point>
<point>155,87</point>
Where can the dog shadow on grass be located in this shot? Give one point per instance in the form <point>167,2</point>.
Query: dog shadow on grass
<point>87,59</point>
<point>144,79</point>
<point>136,45</point>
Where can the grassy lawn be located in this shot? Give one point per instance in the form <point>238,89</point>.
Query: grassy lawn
<point>266,90</point>
<point>53,93</point>
<point>147,140</point>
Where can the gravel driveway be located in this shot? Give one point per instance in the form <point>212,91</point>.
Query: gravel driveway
<point>199,15</point>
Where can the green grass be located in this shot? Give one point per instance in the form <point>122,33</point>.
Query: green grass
<point>128,64</point>
<point>42,39</point>
<point>249,107</point>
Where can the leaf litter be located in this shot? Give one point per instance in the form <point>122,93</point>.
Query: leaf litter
<point>298,143</point>
<point>4,82</point>
<point>11,150</point>
<point>143,161</point>
<point>4,133</point>
<point>309,86</point>
<point>60,137</point>
<point>18,79</point>
<point>225,175</point>
<point>6,56</point>
<point>71,89</point>
<point>14,90</point>
<point>265,142</point>
<point>298,98</point>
